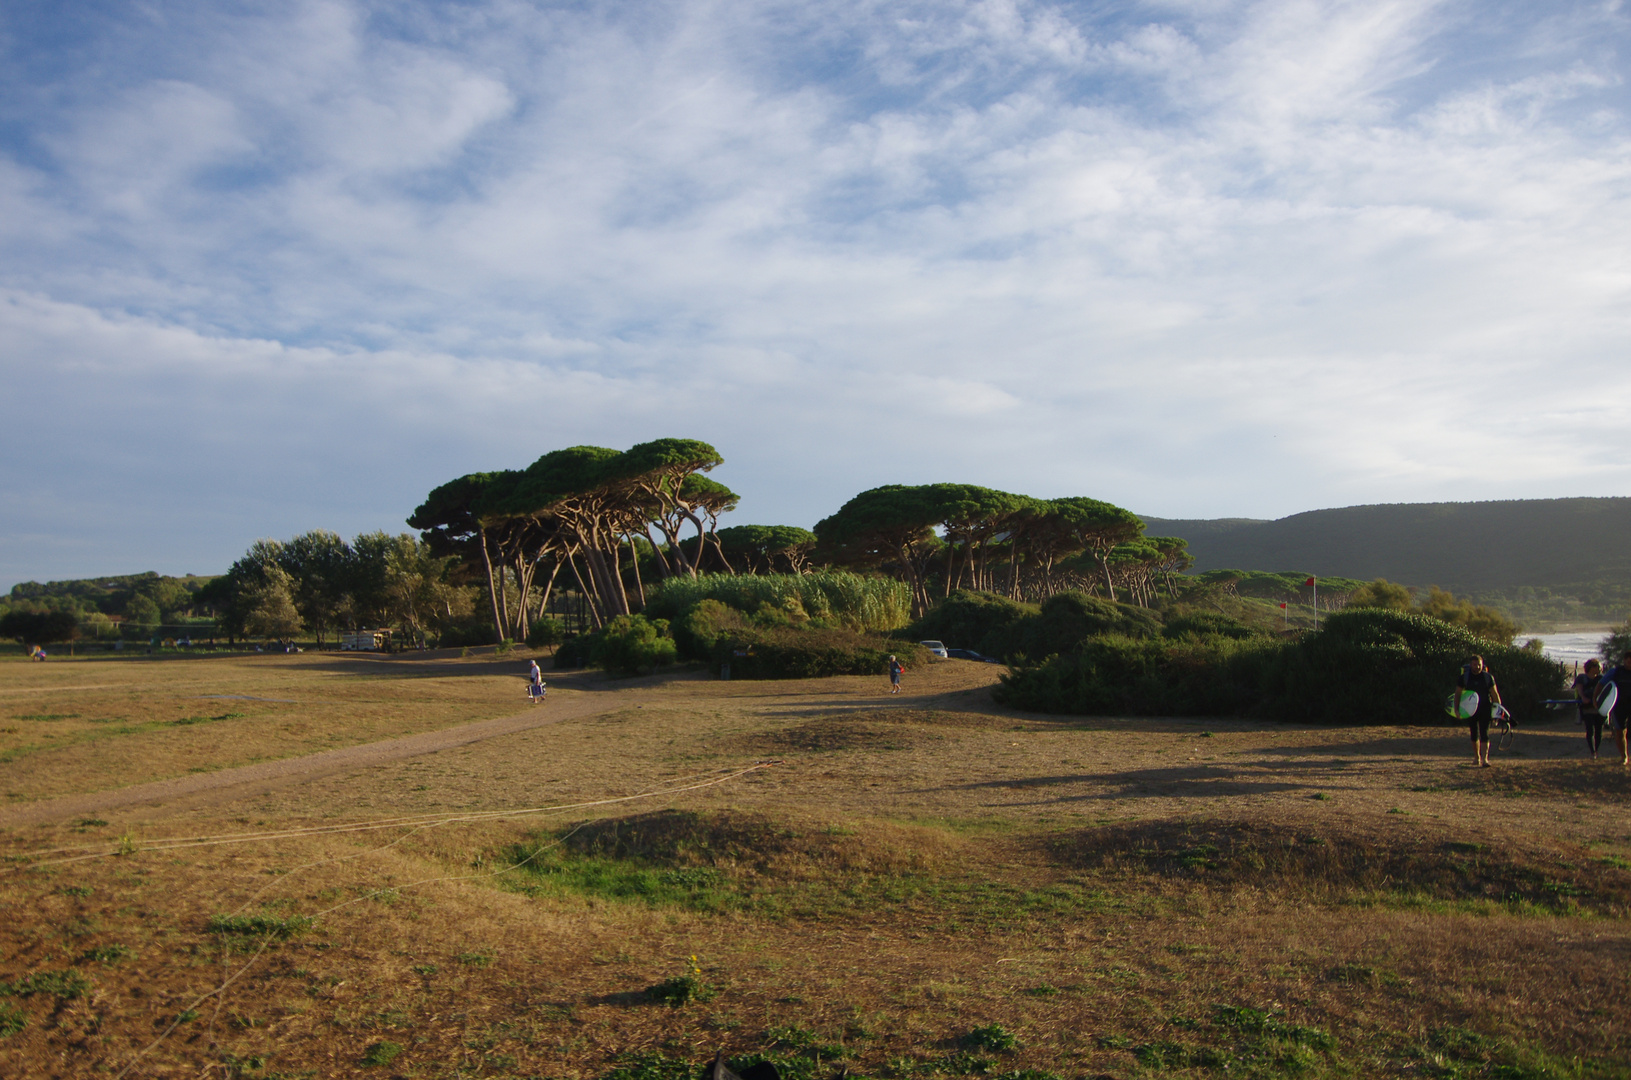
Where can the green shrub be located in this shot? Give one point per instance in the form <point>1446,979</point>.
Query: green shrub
<point>630,644</point>
<point>1064,621</point>
<point>576,652</point>
<point>1008,630</point>
<point>1618,642</point>
<point>1203,624</point>
<point>966,619</point>
<point>1363,665</point>
<point>545,631</point>
<point>1373,663</point>
<point>1120,676</point>
<point>780,653</point>
<point>475,631</point>
<point>697,632</point>
<point>828,598</point>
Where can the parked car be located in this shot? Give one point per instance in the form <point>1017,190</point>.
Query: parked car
<point>969,654</point>
<point>934,647</point>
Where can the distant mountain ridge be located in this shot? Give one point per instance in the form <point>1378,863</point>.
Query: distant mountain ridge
<point>1461,546</point>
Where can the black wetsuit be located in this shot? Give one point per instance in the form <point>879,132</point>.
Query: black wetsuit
<point>1585,692</point>
<point>1482,683</point>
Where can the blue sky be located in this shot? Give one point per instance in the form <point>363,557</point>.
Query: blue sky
<point>274,267</point>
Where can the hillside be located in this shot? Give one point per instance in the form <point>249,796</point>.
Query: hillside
<point>1509,550</point>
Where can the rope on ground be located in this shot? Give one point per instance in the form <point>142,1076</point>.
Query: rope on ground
<point>412,831</point>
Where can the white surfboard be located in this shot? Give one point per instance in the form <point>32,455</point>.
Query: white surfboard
<point>1462,704</point>
<point>1607,695</point>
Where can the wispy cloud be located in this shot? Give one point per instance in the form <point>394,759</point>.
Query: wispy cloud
<point>1195,257</point>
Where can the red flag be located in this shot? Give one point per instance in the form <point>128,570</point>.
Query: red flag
<point>1310,581</point>
<point>1282,605</point>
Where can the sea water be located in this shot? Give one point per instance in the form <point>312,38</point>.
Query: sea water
<point>1569,649</point>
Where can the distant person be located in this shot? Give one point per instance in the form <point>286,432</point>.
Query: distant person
<point>535,682</point>
<point>895,670</point>
<point>1477,678</point>
<point>1586,686</point>
<point>1620,715</point>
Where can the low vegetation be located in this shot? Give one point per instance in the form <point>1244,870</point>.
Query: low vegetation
<point>922,888</point>
<point>1362,663</point>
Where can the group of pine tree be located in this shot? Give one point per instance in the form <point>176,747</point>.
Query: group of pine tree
<point>622,554</point>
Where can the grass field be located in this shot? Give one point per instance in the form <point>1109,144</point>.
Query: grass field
<point>920,886</point>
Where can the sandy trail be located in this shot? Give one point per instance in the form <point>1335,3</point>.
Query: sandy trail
<point>248,780</point>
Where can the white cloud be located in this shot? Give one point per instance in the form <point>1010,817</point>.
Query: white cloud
<point>1202,258</point>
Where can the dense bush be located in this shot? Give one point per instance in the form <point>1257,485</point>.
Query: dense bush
<point>966,619</point>
<point>1204,624</point>
<point>1362,666</point>
<point>39,628</point>
<point>697,632</point>
<point>1007,630</point>
<point>1618,642</point>
<point>829,598</point>
<point>576,652</point>
<point>1123,676</point>
<point>1373,664</point>
<point>785,653</point>
<point>545,631</point>
<point>1484,622</point>
<point>630,644</point>
<point>1065,621</point>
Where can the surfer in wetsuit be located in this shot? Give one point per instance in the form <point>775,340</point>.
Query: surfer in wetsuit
<point>1477,678</point>
<point>1586,686</point>
<point>1620,715</point>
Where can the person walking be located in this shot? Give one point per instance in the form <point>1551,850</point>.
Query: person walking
<point>1619,717</point>
<point>1481,681</point>
<point>1586,686</point>
<point>895,670</point>
<point>535,683</point>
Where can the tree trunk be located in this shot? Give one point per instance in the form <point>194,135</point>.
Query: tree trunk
<point>583,591</point>
<point>492,591</point>
<point>634,557</point>
<point>549,585</point>
<point>661,560</point>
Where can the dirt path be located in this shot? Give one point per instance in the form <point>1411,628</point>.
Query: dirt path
<point>249,779</point>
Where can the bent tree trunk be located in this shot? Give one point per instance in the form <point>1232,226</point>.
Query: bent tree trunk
<point>492,586</point>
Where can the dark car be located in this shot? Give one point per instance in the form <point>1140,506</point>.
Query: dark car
<point>969,654</point>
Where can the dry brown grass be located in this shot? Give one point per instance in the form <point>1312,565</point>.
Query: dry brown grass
<point>104,723</point>
<point>915,868</point>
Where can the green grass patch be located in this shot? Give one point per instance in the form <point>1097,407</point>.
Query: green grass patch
<point>210,719</point>
<point>381,1053</point>
<point>281,927</point>
<point>108,954</point>
<point>65,985</point>
<point>991,1037</point>
<point>12,1020</point>
<point>964,903</point>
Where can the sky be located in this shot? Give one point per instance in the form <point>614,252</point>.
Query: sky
<point>272,267</point>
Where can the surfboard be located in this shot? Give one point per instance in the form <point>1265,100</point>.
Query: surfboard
<point>1607,695</point>
<point>1461,704</point>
